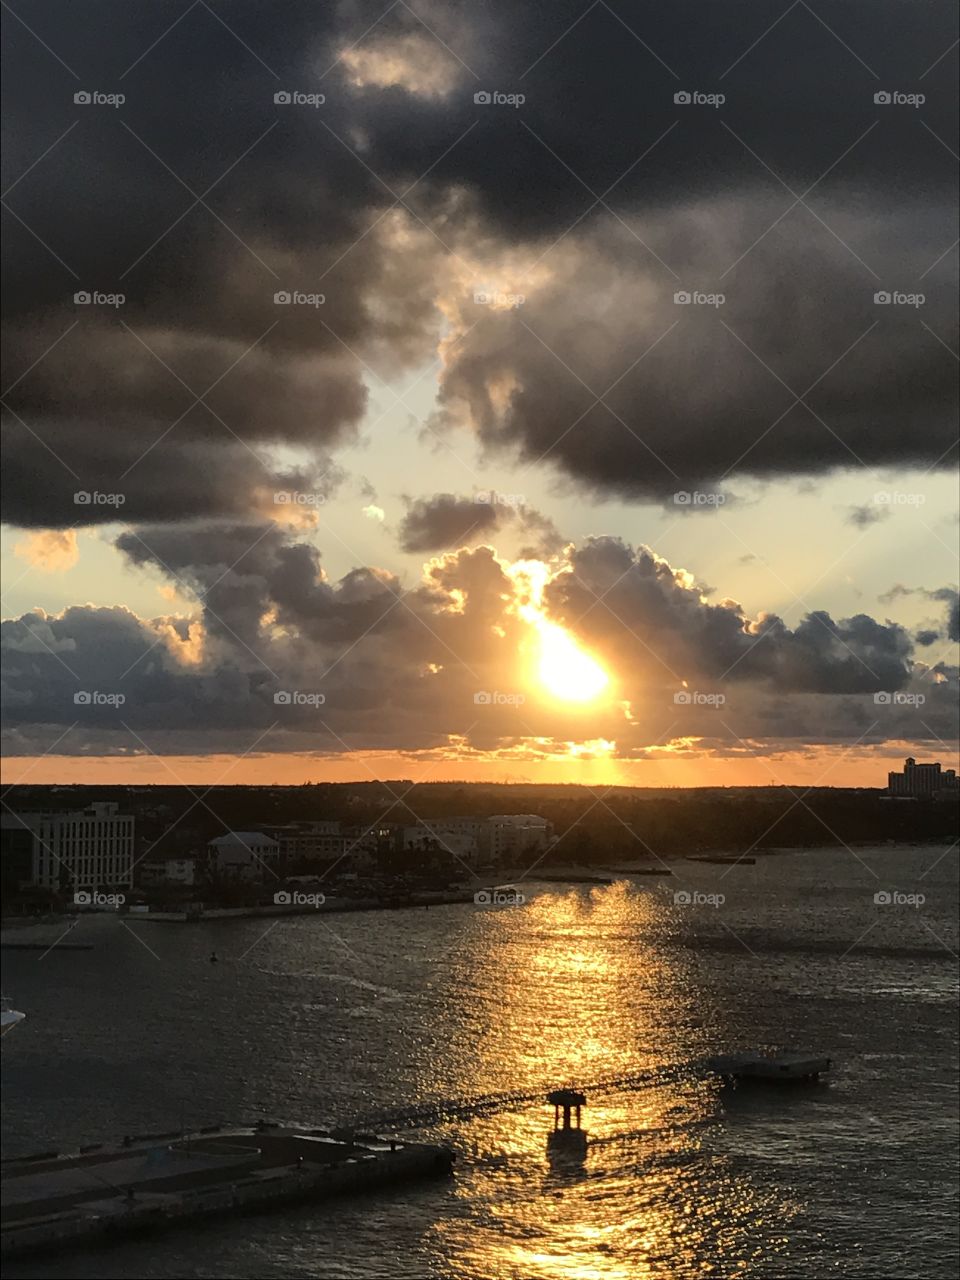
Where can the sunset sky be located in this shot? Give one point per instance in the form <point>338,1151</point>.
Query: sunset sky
<point>568,395</point>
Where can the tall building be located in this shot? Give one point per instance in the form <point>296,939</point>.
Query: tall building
<point>923,781</point>
<point>88,850</point>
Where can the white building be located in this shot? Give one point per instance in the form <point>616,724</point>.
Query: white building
<point>460,837</point>
<point>244,855</point>
<point>88,850</point>
<point>506,837</point>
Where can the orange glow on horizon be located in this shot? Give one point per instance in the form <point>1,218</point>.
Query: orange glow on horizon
<point>828,767</point>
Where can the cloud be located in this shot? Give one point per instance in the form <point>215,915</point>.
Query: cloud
<point>947,595</point>
<point>666,316</point>
<point>369,664</point>
<point>445,521</point>
<point>401,196</point>
<point>863,517</point>
<point>602,376</point>
<point>50,550</point>
<point>414,61</point>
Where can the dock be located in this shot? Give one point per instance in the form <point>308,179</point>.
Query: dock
<point>52,1202</point>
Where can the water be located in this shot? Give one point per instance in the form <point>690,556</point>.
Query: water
<point>321,1019</point>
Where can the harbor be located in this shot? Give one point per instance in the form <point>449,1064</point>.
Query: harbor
<point>56,1202</point>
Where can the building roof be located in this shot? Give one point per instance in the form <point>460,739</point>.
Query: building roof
<point>246,838</point>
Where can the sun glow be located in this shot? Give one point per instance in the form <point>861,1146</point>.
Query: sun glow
<point>564,669</point>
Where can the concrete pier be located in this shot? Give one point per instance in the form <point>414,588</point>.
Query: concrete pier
<point>52,1202</point>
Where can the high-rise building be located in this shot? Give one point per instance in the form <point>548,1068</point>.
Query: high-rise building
<point>88,850</point>
<point>921,780</point>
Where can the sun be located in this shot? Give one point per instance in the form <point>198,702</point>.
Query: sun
<point>564,669</point>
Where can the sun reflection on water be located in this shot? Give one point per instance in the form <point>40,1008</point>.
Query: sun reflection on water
<point>570,992</point>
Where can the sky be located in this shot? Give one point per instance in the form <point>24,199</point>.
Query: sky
<point>479,391</point>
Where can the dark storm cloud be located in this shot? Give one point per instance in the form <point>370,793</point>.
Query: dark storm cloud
<point>108,208</point>
<point>445,521</point>
<point>633,602</point>
<point>603,374</point>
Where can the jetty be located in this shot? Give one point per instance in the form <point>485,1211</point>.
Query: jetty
<point>53,1202</point>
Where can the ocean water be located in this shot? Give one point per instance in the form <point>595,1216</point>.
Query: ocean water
<point>318,1020</point>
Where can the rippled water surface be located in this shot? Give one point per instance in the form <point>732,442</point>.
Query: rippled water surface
<point>323,1019</point>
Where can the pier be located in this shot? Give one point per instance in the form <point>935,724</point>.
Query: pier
<point>53,1202</point>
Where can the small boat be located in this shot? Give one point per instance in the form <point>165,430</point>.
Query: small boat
<point>214,958</point>
<point>776,1067</point>
<point>9,1017</point>
<point>644,871</point>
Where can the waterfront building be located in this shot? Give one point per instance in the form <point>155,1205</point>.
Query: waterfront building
<point>244,856</point>
<point>306,846</point>
<point>924,781</point>
<point>458,837</point>
<point>506,836</point>
<point>87,850</point>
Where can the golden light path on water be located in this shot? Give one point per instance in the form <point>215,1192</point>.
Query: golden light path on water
<point>578,996</point>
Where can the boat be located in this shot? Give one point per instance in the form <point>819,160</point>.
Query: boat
<point>777,1067</point>
<point>9,1017</point>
